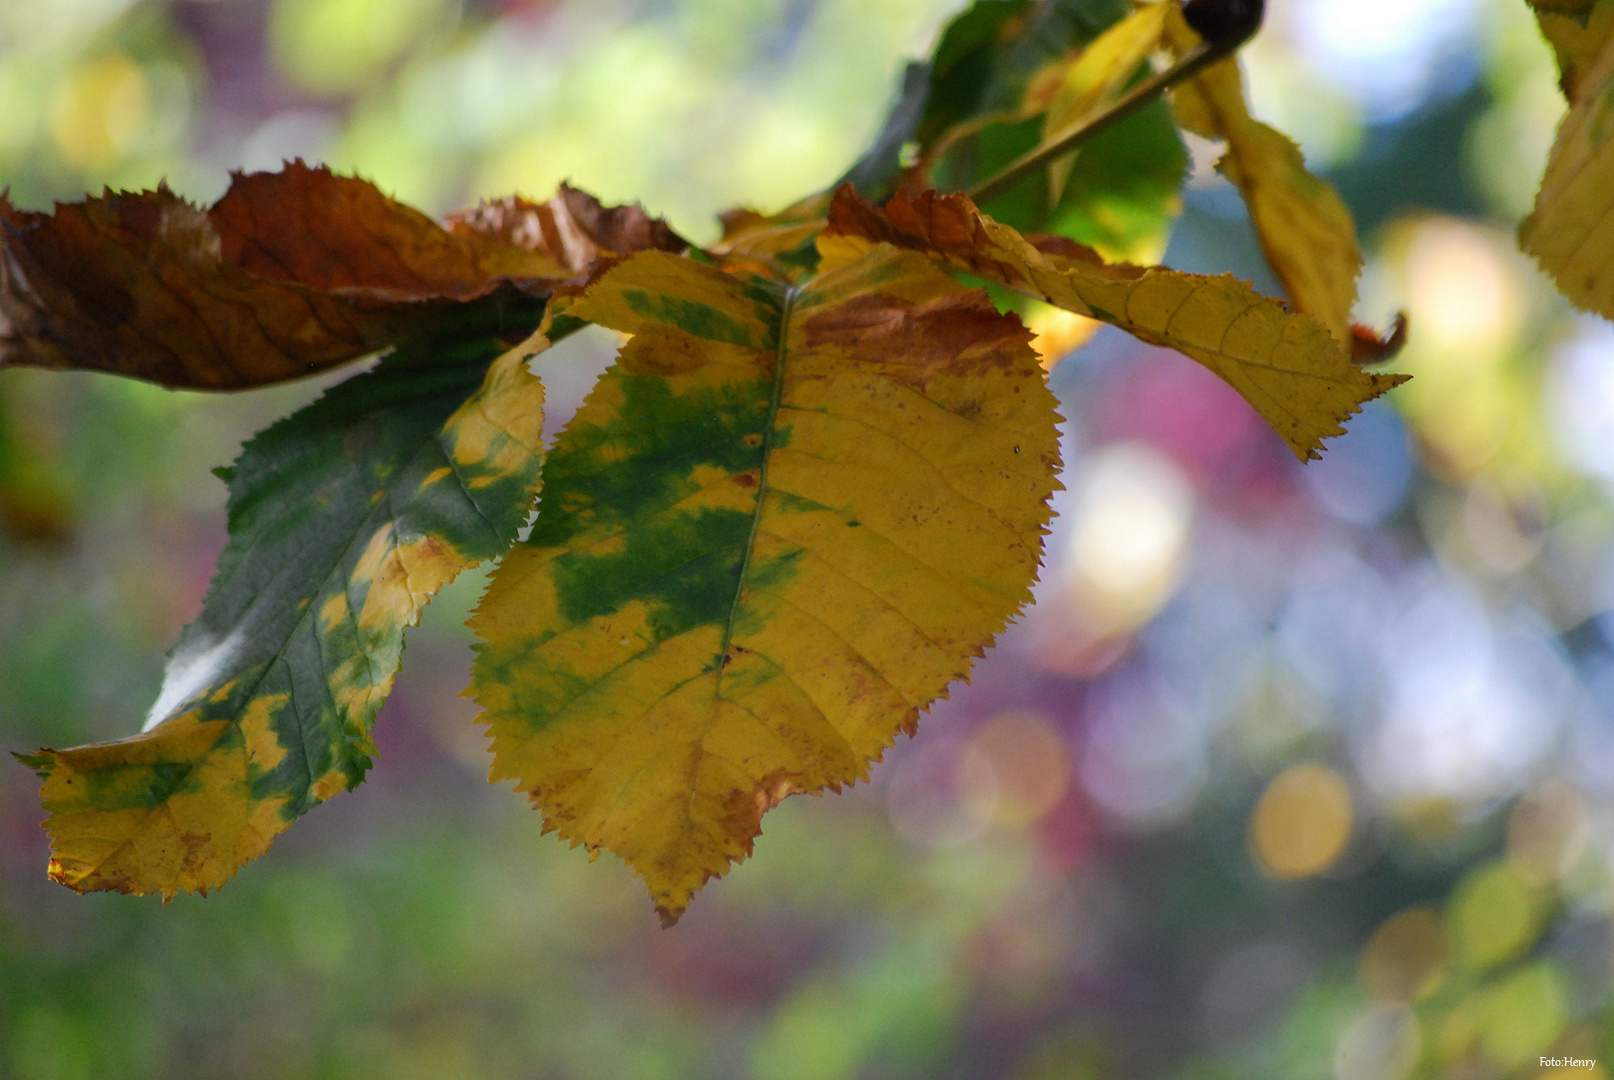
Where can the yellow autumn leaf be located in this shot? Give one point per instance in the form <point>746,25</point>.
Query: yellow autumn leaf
<point>1305,229</point>
<point>345,519</point>
<point>1571,230</point>
<point>777,529</point>
<point>1285,364</point>
<point>1098,73</point>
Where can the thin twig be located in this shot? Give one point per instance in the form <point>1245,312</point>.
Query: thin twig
<point>1190,64</point>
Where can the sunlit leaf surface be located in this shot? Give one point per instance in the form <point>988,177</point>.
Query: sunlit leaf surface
<point>1287,365</point>
<point>778,528</point>
<point>344,519</point>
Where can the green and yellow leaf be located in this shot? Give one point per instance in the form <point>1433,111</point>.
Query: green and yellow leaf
<point>1295,373</point>
<point>1571,230</point>
<point>778,528</point>
<point>344,520</point>
<point>978,65</point>
<point>1305,229</point>
<point>1086,66</point>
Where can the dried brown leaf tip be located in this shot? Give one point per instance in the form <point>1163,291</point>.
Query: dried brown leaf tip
<point>1369,347</point>
<point>573,228</point>
<point>288,274</point>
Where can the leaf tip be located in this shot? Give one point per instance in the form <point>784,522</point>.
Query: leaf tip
<point>41,763</point>
<point>1367,347</point>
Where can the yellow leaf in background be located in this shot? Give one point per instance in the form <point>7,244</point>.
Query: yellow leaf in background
<point>1577,30</point>
<point>1097,74</point>
<point>101,112</point>
<point>1571,230</point>
<point>1287,365</point>
<point>1302,823</point>
<point>1058,332</point>
<point>1305,229</point>
<point>778,528</point>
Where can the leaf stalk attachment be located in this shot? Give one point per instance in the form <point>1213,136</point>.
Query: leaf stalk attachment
<point>1225,25</point>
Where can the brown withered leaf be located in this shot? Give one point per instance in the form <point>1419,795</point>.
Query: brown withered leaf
<point>1368,346</point>
<point>307,226</point>
<point>1579,10</point>
<point>288,274</point>
<point>136,284</point>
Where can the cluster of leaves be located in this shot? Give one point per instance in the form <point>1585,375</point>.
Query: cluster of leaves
<point>811,489</point>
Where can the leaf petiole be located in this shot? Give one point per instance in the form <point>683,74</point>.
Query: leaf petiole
<point>1230,25</point>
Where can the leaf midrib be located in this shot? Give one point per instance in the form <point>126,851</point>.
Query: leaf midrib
<point>770,426</point>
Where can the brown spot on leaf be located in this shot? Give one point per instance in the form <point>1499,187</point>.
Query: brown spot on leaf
<point>961,334</point>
